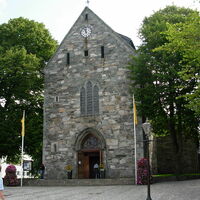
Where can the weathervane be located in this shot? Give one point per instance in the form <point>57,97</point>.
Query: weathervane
<point>87,3</point>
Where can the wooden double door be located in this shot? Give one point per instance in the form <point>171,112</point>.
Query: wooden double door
<point>86,161</point>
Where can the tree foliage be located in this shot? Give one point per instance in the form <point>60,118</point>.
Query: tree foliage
<point>157,80</point>
<point>25,48</point>
<point>184,38</point>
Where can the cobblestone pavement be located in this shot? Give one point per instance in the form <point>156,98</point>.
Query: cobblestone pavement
<point>181,190</point>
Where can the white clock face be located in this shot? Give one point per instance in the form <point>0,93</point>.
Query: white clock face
<point>86,31</point>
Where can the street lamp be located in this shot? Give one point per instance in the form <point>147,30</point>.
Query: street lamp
<point>147,130</point>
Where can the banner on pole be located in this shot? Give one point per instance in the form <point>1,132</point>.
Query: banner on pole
<point>23,124</point>
<point>134,112</point>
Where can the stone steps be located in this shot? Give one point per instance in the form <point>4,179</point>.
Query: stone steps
<point>78,182</point>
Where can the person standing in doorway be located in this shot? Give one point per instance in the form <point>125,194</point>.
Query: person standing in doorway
<point>96,170</point>
<point>1,186</point>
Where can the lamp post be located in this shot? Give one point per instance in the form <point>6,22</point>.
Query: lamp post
<point>147,130</point>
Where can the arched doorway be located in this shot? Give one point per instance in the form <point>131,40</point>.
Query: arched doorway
<point>90,147</point>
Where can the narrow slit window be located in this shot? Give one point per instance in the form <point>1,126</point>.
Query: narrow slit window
<point>57,99</point>
<point>86,53</point>
<point>55,148</point>
<point>86,17</point>
<point>102,51</point>
<point>68,58</point>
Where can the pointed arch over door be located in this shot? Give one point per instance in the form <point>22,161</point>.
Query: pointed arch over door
<point>89,145</point>
<point>91,142</point>
<point>85,134</point>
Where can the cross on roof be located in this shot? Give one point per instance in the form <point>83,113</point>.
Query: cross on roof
<point>87,2</point>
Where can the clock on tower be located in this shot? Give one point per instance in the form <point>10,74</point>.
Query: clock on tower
<point>86,31</point>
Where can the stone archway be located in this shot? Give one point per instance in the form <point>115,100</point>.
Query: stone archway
<point>89,146</point>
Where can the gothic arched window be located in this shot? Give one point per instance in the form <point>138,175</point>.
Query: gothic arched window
<point>89,99</point>
<point>82,101</point>
<point>96,99</point>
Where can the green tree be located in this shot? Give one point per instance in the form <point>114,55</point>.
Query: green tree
<point>156,82</point>
<point>25,48</point>
<point>184,38</point>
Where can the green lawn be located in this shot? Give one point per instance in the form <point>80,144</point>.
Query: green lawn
<point>168,175</point>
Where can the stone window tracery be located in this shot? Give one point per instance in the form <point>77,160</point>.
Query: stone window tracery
<point>91,142</point>
<point>89,99</point>
<point>96,99</point>
<point>82,101</point>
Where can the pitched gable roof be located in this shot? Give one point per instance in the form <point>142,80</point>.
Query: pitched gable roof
<point>124,40</point>
<point>128,40</point>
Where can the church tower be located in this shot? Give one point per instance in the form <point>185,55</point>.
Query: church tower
<point>87,109</point>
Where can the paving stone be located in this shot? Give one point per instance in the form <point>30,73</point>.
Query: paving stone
<point>179,190</point>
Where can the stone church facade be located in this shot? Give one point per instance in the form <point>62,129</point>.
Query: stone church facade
<point>87,109</point>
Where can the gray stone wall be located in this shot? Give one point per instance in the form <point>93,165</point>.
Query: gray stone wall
<point>63,122</point>
<point>164,155</point>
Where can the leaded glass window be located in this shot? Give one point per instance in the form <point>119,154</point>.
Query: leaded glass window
<point>89,99</point>
<point>96,99</point>
<point>82,101</point>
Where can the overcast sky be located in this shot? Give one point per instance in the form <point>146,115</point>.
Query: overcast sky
<point>123,16</point>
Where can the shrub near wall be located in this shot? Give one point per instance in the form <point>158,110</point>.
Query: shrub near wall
<point>10,178</point>
<point>142,172</point>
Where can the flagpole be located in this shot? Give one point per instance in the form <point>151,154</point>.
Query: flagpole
<point>22,153</point>
<point>135,139</point>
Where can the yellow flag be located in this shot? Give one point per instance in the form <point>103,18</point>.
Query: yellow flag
<point>23,124</point>
<point>135,121</point>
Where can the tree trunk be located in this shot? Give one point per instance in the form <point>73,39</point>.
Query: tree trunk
<point>176,132</point>
<point>175,141</point>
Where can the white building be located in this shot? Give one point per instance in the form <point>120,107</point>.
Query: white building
<point>27,167</point>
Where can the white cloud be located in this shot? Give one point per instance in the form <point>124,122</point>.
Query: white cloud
<point>124,16</point>
<point>3,4</point>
